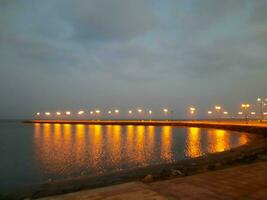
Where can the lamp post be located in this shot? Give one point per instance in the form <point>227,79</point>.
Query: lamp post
<point>245,107</point>
<point>261,104</point>
<point>218,109</point>
<point>150,113</point>
<point>192,111</point>
<point>165,110</point>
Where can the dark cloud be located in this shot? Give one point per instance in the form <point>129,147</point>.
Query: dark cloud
<point>67,53</point>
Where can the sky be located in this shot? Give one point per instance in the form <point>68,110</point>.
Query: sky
<point>85,54</point>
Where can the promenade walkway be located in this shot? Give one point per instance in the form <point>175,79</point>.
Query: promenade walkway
<point>244,182</point>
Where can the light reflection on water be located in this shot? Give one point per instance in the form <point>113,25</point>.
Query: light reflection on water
<point>71,150</point>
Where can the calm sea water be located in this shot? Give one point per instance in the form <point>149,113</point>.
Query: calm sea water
<point>34,153</point>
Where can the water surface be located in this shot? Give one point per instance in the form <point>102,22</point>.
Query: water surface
<point>35,153</point>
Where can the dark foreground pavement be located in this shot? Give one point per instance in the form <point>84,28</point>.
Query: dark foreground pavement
<point>244,182</point>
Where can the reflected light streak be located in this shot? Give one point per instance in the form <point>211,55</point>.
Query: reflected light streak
<point>166,137</point>
<point>193,148</point>
<point>140,145</point>
<point>218,140</point>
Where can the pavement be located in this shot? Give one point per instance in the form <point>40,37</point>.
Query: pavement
<point>244,182</point>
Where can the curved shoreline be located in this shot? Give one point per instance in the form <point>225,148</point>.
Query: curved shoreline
<point>238,155</point>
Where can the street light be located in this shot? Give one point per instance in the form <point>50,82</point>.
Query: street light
<point>262,103</point>
<point>140,110</point>
<point>218,107</point>
<point>253,113</point>
<point>68,112</point>
<point>150,112</point>
<point>58,113</point>
<point>165,110</point>
<point>38,113</point>
<point>209,112</point>
<point>130,111</point>
<point>246,107</point>
<point>81,112</point>
<point>116,111</point>
<point>192,110</point>
<point>47,113</point>
<point>97,111</point>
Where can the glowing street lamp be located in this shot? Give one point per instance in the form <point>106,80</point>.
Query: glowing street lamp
<point>253,113</point>
<point>109,112</point>
<point>91,112</point>
<point>97,111</point>
<point>38,114</point>
<point>240,113</point>
<point>209,112</point>
<point>218,108</point>
<point>243,105</point>
<point>130,112</point>
<point>116,111</point>
<point>165,110</point>
<point>246,107</point>
<point>262,103</point>
<point>58,113</point>
<point>68,112</point>
<point>150,112</point>
<point>47,113</point>
<point>80,112</point>
<point>192,110</point>
<point>225,113</point>
<point>140,110</point>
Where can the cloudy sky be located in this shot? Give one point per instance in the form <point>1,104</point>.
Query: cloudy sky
<point>65,54</point>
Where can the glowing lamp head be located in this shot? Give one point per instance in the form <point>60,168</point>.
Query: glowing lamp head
<point>109,112</point>
<point>209,112</point>
<point>253,113</point>
<point>47,113</point>
<point>91,112</point>
<point>38,113</point>
<point>116,111</point>
<point>245,105</point>
<point>130,111</point>
<point>58,113</point>
<point>192,109</point>
<point>225,113</point>
<point>240,113</point>
<point>150,112</point>
<point>80,112</point>
<point>165,110</point>
<point>139,110</point>
<point>258,99</point>
<point>97,111</point>
<point>68,112</point>
<point>218,107</point>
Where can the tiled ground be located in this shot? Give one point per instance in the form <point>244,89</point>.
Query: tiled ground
<point>247,182</point>
<point>242,182</point>
<point>127,191</point>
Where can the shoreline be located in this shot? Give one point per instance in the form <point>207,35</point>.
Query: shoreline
<point>251,152</point>
<point>240,126</point>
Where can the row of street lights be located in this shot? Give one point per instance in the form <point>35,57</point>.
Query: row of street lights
<point>219,112</point>
<point>216,112</point>
<point>98,112</point>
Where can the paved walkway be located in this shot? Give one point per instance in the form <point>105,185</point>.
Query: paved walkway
<point>246,182</point>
